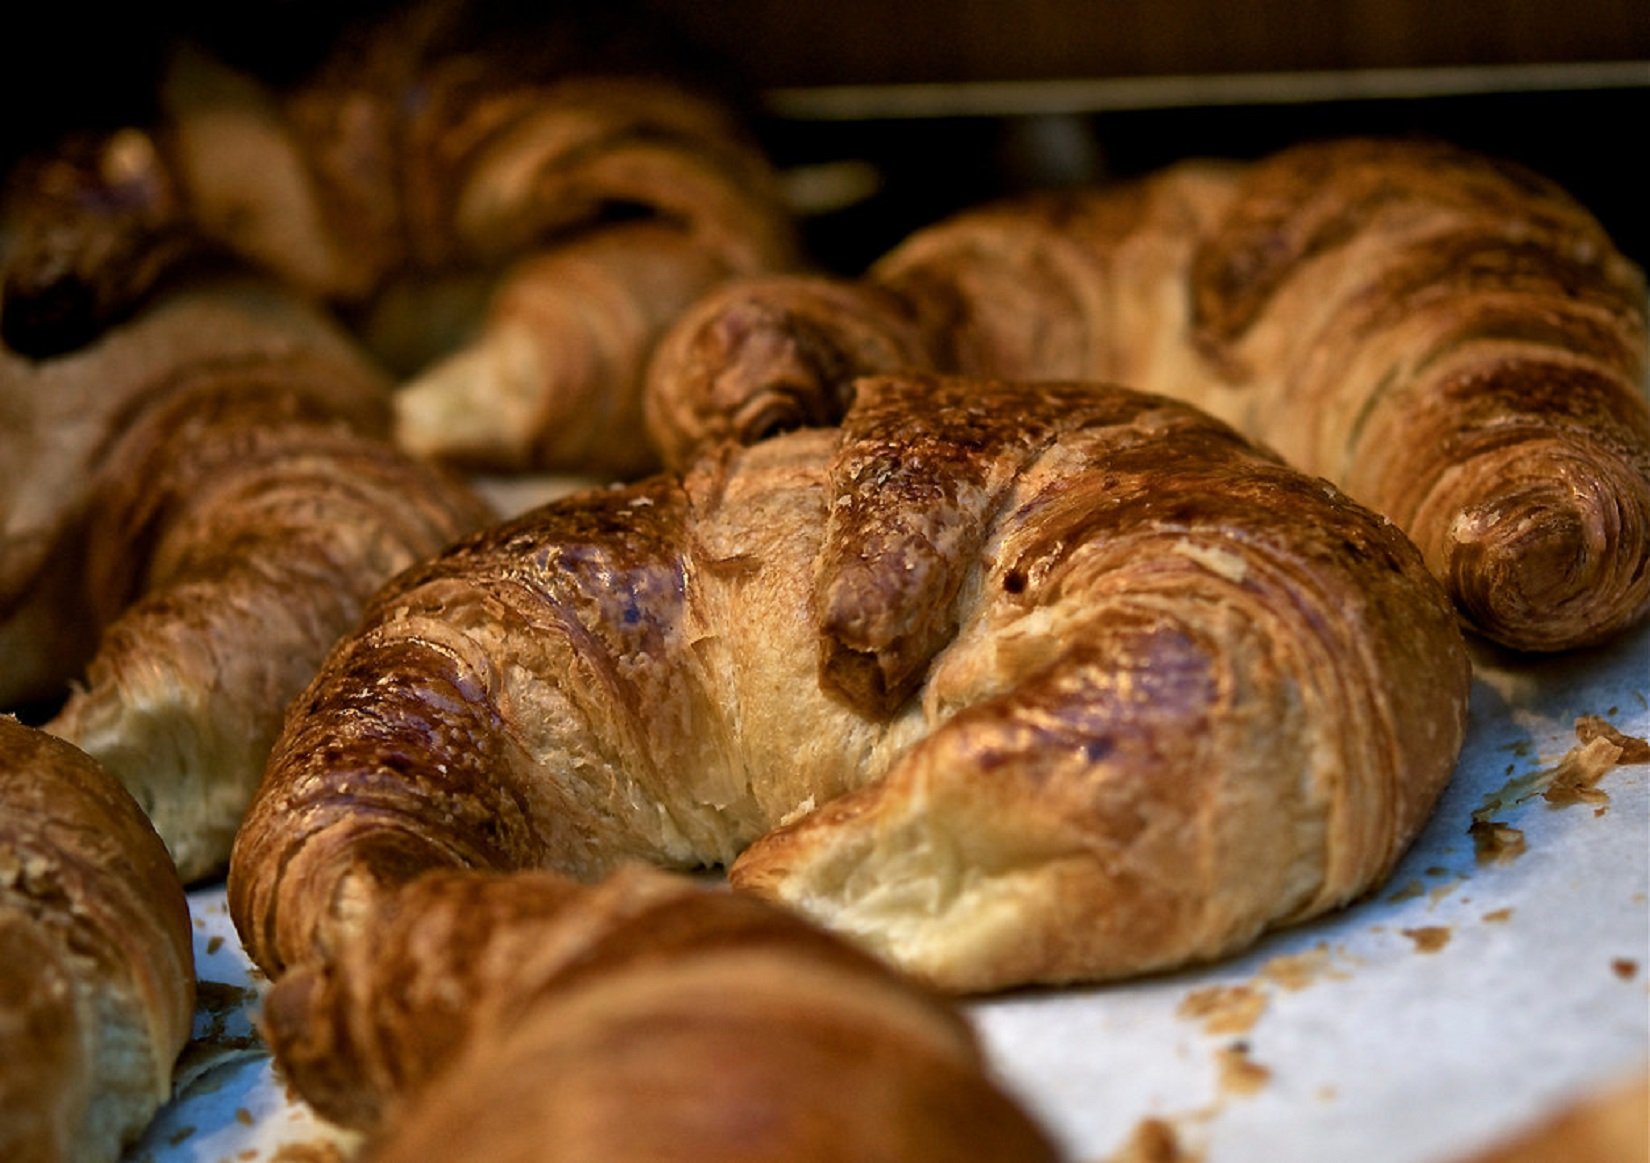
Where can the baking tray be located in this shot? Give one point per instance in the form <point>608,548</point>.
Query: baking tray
<point>1482,986</point>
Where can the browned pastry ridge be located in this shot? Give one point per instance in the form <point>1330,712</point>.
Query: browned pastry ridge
<point>483,1016</point>
<point>1452,340</point>
<point>203,500</point>
<point>97,981</point>
<point>460,196</point>
<point>1012,683</point>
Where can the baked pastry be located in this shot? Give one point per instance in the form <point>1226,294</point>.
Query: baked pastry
<point>63,414</point>
<point>221,504</point>
<point>762,355</point>
<point>97,981</point>
<point>424,153</point>
<point>556,379</point>
<point>1013,683</point>
<point>1452,340</point>
<point>644,1017</point>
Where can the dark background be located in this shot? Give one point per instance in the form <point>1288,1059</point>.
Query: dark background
<point>71,65</point>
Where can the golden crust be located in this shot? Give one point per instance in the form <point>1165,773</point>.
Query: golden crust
<point>1167,693</point>
<point>1452,340</point>
<point>215,501</point>
<point>98,974</point>
<point>621,1019</point>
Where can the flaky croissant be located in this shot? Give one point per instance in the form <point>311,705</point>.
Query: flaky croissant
<point>225,501</point>
<point>416,157</point>
<point>1452,340</point>
<point>97,981</point>
<point>525,1017</point>
<point>1014,683</point>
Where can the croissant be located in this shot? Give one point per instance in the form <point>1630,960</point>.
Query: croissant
<point>233,501</point>
<point>418,157</point>
<point>97,982</point>
<point>644,1017</point>
<point>761,355</point>
<point>1452,340</point>
<point>556,378</point>
<point>1013,683</point>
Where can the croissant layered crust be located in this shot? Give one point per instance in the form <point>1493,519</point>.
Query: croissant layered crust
<point>220,508</point>
<point>642,1017</point>
<point>1451,339</point>
<point>1065,682</point>
<point>97,976</point>
<point>510,230</point>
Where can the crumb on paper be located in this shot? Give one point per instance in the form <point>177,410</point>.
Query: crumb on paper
<point>1625,968</point>
<point>214,943</point>
<point>180,1136</point>
<point>1295,971</point>
<point>1428,938</point>
<point>1153,1140</point>
<point>1239,1073</point>
<point>1633,749</point>
<point>1439,891</point>
<point>1497,916</point>
<point>1575,777</point>
<point>243,1116</point>
<point>1224,1009</point>
<point>1407,891</point>
<point>1572,780</point>
<point>1496,842</point>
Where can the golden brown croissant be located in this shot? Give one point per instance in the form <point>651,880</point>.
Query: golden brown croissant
<point>761,355</point>
<point>641,1018</point>
<point>419,157</point>
<point>97,981</point>
<point>62,416</point>
<point>1013,682</point>
<point>230,510</point>
<point>557,378</point>
<point>1452,340</point>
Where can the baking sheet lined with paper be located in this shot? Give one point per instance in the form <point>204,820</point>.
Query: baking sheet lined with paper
<point>1501,974</point>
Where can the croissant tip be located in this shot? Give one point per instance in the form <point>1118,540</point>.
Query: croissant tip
<point>1559,559</point>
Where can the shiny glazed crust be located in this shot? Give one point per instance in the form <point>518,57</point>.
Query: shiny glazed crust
<point>1015,683</point>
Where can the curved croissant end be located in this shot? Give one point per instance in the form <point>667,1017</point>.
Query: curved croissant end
<point>723,1011</point>
<point>763,355</point>
<point>1465,351</point>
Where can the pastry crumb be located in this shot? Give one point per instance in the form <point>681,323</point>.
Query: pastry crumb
<point>1239,1073</point>
<point>1496,916</point>
<point>1574,779</point>
<point>1408,891</point>
<point>1224,1009</point>
<point>1295,971</point>
<point>1496,842</point>
<point>1625,968</point>
<point>1633,749</point>
<point>1428,938</point>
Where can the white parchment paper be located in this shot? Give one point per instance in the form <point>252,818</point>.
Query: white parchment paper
<point>1460,1002</point>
